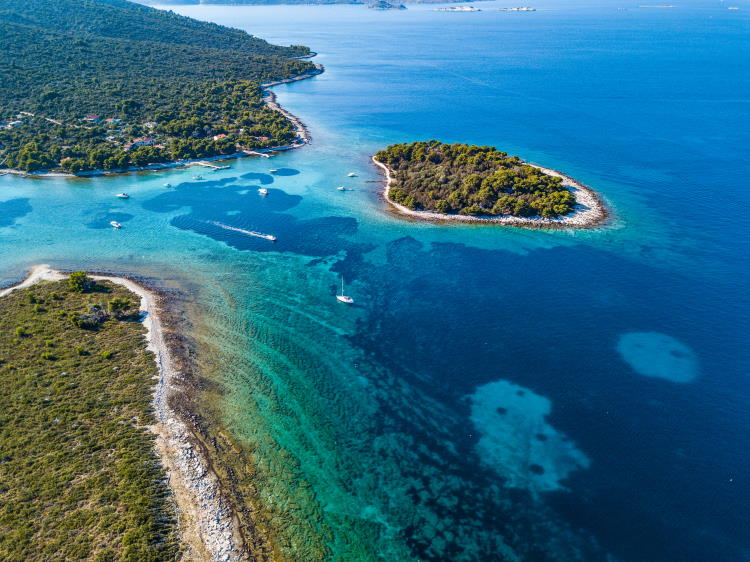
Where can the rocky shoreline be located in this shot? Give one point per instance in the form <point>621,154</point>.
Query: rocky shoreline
<point>590,209</point>
<point>208,528</point>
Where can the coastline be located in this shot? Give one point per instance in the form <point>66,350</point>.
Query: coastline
<point>206,523</point>
<point>590,209</point>
<point>303,136</point>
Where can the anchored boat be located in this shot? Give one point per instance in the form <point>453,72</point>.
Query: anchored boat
<point>342,297</point>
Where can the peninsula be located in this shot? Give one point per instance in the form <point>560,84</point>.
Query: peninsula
<point>180,89</point>
<point>438,181</point>
<point>87,372</point>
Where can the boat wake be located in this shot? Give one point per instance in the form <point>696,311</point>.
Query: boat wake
<point>270,237</point>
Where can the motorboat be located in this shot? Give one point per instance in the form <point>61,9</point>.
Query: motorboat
<point>115,224</point>
<point>263,191</point>
<point>123,196</point>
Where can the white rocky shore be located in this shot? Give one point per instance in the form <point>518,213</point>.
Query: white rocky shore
<point>207,528</point>
<point>589,210</point>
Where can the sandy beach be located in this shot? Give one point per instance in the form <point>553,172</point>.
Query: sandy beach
<point>590,210</point>
<point>207,527</point>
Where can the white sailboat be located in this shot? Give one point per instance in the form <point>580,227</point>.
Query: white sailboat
<point>342,297</point>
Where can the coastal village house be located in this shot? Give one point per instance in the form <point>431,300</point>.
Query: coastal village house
<point>91,118</point>
<point>135,143</point>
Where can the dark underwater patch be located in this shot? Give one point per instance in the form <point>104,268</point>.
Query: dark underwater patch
<point>263,179</point>
<point>14,209</point>
<point>286,172</point>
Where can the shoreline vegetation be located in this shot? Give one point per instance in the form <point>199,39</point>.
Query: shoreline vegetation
<point>583,208</point>
<point>302,138</point>
<point>207,526</point>
<point>183,92</point>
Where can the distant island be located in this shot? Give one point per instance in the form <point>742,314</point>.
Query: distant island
<point>133,87</point>
<point>438,181</point>
<point>458,9</point>
<point>383,5</point>
<point>277,2</point>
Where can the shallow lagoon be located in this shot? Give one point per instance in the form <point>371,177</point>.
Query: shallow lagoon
<point>369,405</point>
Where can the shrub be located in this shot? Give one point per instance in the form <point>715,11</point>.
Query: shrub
<point>79,282</point>
<point>48,356</point>
<point>119,306</point>
<point>21,332</point>
<point>107,354</point>
<point>80,351</point>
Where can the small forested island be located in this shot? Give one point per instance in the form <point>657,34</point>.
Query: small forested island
<point>435,180</point>
<point>110,85</point>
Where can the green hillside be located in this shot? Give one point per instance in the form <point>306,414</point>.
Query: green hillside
<point>190,81</point>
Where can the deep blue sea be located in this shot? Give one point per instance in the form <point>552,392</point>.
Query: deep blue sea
<point>494,393</point>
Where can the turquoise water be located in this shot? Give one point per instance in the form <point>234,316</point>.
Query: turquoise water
<point>494,392</point>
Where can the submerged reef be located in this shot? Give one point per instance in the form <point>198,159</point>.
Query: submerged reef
<point>653,354</point>
<point>518,442</point>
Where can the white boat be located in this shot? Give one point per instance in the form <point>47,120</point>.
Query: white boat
<point>341,188</point>
<point>167,185</point>
<point>263,191</point>
<point>342,297</point>
<point>197,177</point>
<point>273,170</point>
<point>115,224</point>
<point>123,196</point>
<point>351,175</point>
